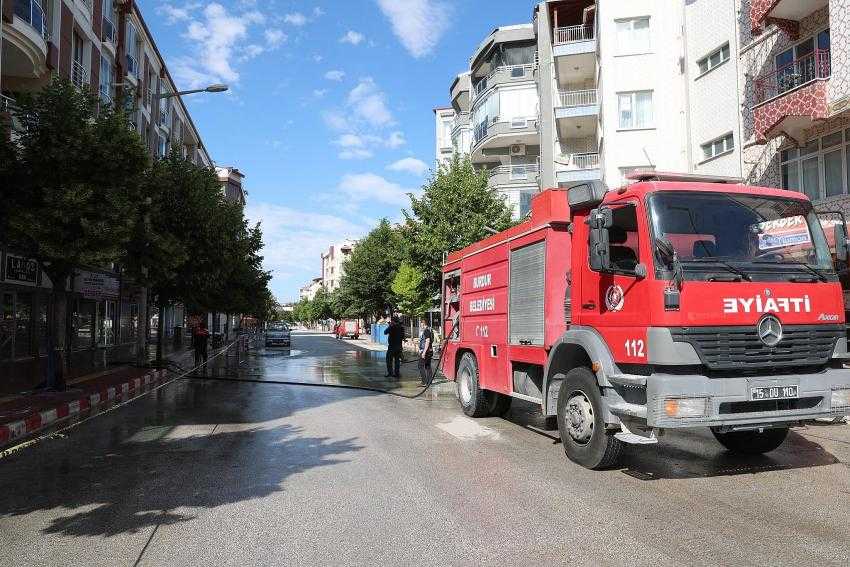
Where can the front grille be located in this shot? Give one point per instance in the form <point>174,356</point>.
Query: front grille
<point>739,348</point>
<point>769,405</point>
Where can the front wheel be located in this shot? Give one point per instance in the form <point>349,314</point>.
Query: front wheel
<point>751,442</point>
<point>583,434</point>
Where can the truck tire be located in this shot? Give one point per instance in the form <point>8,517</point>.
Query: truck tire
<point>474,401</point>
<point>583,434</point>
<point>751,442</point>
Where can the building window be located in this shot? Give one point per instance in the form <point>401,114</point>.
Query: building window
<point>162,147</point>
<point>806,61</point>
<point>714,59</point>
<point>132,50</point>
<point>525,202</point>
<point>633,36</point>
<point>105,80</point>
<point>635,110</point>
<point>821,168</point>
<point>718,146</point>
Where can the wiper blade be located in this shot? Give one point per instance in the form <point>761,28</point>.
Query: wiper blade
<point>815,272</point>
<point>744,275</point>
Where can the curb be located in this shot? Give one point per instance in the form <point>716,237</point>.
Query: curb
<point>37,421</point>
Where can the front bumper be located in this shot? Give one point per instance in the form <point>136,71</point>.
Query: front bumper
<point>277,341</point>
<point>729,404</point>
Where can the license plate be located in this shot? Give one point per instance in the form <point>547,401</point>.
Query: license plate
<point>773,393</point>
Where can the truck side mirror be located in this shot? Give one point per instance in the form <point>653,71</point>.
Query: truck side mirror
<point>665,249</point>
<point>841,251</point>
<point>599,244</point>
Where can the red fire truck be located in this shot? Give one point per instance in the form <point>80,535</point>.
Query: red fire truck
<point>676,301</point>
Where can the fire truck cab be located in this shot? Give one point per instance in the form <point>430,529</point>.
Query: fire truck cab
<point>675,301</point>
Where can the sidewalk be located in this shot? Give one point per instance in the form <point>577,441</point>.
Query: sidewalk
<point>25,414</point>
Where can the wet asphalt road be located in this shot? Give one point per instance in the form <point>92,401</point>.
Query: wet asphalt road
<point>229,473</point>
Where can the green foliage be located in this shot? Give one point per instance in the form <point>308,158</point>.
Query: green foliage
<point>320,306</point>
<point>413,299</point>
<point>72,178</point>
<point>452,212</point>
<point>369,272</point>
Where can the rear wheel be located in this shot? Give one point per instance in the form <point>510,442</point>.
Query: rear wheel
<point>583,434</point>
<point>751,442</point>
<point>474,401</point>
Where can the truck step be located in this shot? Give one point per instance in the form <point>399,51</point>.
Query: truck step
<point>635,439</point>
<point>632,380</point>
<point>630,410</point>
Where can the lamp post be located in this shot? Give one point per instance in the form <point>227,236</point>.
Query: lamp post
<point>217,88</point>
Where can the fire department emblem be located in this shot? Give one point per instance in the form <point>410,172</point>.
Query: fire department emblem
<point>614,298</point>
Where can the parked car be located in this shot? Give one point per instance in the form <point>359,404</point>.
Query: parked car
<point>349,328</point>
<point>278,334</point>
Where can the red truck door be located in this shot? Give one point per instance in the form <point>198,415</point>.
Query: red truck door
<point>616,303</point>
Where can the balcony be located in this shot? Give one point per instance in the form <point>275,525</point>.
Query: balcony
<point>784,13</point>
<point>460,121</point>
<point>514,174</point>
<point>501,75</point>
<point>501,133</point>
<point>790,99</point>
<point>26,41</point>
<point>577,167</point>
<point>460,92</point>
<point>79,74</point>
<point>576,113</point>
<point>573,40</point>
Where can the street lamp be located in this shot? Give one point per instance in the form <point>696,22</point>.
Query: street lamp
<point>217,88</point>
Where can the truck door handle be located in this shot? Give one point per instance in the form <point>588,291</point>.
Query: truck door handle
<point>589,305</point>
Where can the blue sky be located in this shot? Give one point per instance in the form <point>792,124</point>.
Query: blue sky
<point>329,115</point>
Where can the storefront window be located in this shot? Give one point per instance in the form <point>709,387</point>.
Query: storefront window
<point>84,319</point>
<point>134,320</point>
<point>41,324</point>
<point>106,312</point>
<point>23,325</point>
<point>7,325</point>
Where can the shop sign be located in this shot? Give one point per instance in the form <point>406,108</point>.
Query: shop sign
<point>93,285</point>
<point>21,270</point>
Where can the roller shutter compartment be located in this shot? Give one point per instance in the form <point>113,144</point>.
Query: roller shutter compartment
<point>526,307</point>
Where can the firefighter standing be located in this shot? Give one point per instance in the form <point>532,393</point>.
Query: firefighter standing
<point>395,333</point>
<point>426,351</point>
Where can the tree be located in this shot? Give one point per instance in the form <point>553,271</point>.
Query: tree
<point>452,213</point>
<point>75,171</point>
<point>370,269</point>
<point>413,299</point>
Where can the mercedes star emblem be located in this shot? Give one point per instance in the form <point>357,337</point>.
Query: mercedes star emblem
<point>769,330</point>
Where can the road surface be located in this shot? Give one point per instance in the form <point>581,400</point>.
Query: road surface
<point>243,473</point>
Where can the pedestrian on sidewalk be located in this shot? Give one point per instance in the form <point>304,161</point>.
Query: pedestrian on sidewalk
<point>395,333</point>
<point>200,340</point>
<point>426,351</point>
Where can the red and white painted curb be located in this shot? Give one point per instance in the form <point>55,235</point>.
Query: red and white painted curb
<point>119,392</point>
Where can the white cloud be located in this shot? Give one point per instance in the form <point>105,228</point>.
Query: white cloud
<point>369,102</point>
<point>336,120</point>
<point>374,188</point>
<point>352,37</point>
<point>418,24</point>
<point>355,153</point>
<point>216,37</point>
<point>294,239</point>
<point>350,141</point>
<point>296,19</point>
<point>396,140</point>
<point>318,12</point>
<point>173,14</point>
<point>409,165</point>
<point>319,93</point>
<point>250,52</point>
<point>274,37</point>
<point>335,75</point>
<point>317,58</point>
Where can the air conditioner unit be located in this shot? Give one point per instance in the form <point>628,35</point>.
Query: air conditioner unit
<point>518,150</point>
<point>519,122</point>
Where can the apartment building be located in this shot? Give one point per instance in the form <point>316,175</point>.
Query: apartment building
<point>231,179</point>
<point>795,68</point>
<point>444,117</point>
<point>309,291</point>
<point>106,47</point>
<point>333,263</point>
<point>596,90</point>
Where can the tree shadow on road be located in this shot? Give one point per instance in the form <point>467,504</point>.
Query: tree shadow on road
<point>190,446</point>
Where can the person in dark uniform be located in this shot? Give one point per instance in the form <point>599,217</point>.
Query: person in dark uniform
<point>395,332</point>
<point>426,351</point>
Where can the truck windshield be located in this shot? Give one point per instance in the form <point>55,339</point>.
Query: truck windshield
<point>745,231</point>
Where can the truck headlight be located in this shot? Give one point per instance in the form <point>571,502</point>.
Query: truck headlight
<point>686,407</point>
<point>840,398</point>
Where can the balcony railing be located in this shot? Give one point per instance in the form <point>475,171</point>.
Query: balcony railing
<point>32,13</point>
<point>511,71</point>
<point>489,127</point>
<point>569,99</point>
<point>815,65</point>
<point>164,115</point>
<point>90,5</point>
<point>7,104</point>
<point>588,160</point>
<point>515,172</point>
<point>132,66</point>
<point>79,75</point>
<point>109,31</point>
<point>570,34</point>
